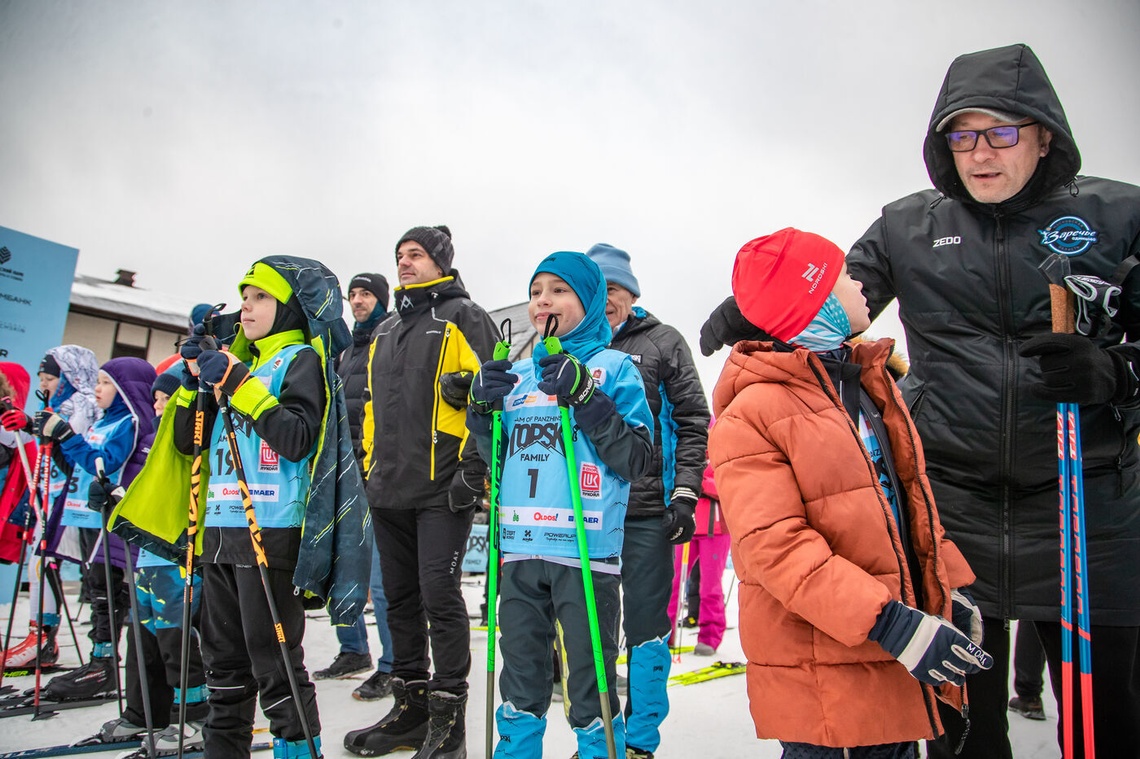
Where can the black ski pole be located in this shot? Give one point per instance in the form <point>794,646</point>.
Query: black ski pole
<point>263,568</point>
<point>112,621</point>
<point>136,623</point>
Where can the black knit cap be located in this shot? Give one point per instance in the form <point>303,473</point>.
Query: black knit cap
<point>167,382</point>
<point>436,241</point>
<point>50,366</point>
<point>376,284</point>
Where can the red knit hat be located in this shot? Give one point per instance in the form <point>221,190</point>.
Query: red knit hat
<point>781,280</point>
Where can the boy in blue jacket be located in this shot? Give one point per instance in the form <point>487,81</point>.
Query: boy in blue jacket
<point>542,576</point>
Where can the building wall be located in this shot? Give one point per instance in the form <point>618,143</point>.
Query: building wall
<point>111,338</point>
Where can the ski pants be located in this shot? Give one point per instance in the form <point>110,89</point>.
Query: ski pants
<point>159,592</point>
<point>532,595</point>
<point>646,578</point>
<point>104,629</point>
<point>243,658</point>
<point>1116,694</point>
<point>1028,662</point>
<point>421,553</point>
<point>711,553</point>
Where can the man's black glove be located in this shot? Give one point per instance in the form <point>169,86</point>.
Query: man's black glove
<point>678,520</point>
<point>727,326</point>
<point>466,490</point>
<point>455,387</point>
<point>570,380</point>
<point>491,385</point>
<point>1074,369</point>
<point>933,650</point>
<point>101,495</point>
<point>55,427</point>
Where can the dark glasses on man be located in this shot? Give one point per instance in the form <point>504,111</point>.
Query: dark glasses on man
<point>965,140</point>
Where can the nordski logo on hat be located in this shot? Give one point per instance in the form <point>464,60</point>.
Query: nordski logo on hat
<point>810,272</point>
<point>1068,235</point>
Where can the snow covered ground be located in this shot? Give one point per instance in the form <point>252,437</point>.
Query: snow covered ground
<point>708,720</point>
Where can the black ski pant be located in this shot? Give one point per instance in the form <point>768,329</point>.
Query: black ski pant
<point>1116,695</point>
<point>1028,663</point>
<point>159,592</point>
<point>421,556</point>
<point>103,628</point>
<point>243,659</point>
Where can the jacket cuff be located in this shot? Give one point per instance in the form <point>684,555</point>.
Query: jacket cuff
<point>253,399</point>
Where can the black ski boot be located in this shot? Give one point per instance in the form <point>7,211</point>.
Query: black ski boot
<point>405,727</point>
<point>447,729</point>
<point>94,679</point>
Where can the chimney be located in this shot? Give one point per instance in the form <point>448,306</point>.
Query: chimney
<point>125,277</point>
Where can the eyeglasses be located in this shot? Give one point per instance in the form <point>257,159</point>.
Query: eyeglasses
<point>998,137</point>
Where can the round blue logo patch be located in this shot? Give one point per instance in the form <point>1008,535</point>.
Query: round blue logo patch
<point>1068,235</point>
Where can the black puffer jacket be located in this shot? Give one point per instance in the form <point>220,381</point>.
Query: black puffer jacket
<point>965,275</point>
<point>680,411</point>
<point>414,440</point>
<point>352,368</point>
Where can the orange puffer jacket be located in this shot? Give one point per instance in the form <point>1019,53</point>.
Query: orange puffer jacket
<point>817,549</point>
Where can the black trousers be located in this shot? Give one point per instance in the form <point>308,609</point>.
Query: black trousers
<point>243,659</point>
<point>1116,695</point>
<point>1028,663</point>
<point>421,557</point>
<point>104,629</point>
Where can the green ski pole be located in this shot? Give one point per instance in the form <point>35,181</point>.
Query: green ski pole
<point>502,352</point>
<point>554,346</point>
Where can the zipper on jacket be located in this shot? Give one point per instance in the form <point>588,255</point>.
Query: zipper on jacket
<point>1008,385</point>
<point>435,398</point>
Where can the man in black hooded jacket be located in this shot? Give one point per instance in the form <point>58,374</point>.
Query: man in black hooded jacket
<point>987,373</point>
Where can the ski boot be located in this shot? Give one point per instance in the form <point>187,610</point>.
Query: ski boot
<point>94,679</point>
<point>166,740</point>
<point>120,729</point>
<point>283,749</point>
<point>23,654</point>
<point>447,729</point>
<point>405,727</point>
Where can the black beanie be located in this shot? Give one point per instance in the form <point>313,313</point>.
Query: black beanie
<point>166,382</point>
<point>436,241</point>
<point>373,283</point>
<point>50,366</point>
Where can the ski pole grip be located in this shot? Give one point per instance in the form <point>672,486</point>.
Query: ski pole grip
<point>1061,306</point>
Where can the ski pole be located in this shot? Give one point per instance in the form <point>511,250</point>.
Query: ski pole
<point>1074,566</point>
<point>43,477</point>
<point>502,352</point>
<point>681,593</point>
<point>263,568</point>
<point>136,624</point>
<point>115,630</point>
<point>553,347</point>
<point>30,482</point>
<point>192,524</point>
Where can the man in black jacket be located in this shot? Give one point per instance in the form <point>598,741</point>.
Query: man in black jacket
<point>368,301</point>
<point>661,503</point>
<point>987,373</point>
<point>424,479</point>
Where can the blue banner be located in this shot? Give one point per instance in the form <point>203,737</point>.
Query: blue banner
<point>35,290</point>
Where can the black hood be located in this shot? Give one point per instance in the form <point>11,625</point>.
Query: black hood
<point>1008,79</point>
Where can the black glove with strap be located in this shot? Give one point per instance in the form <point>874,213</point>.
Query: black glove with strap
<point>101,495</point>
<point>1074,369</point>
<point>678,521</point>
<point>727,326</point>
<point>570,380</point>
<point>466,490</point>
<point>455,387</point>
<point>491,385</point>
<point>55,427</point>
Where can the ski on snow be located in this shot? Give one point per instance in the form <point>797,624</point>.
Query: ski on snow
<point>712,672</point>
<point>21,705</point>
<point>69,749</point>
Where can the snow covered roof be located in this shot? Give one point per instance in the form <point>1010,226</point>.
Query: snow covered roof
<point>129,303</point>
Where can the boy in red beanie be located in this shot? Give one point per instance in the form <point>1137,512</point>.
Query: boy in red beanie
<point>847,581</point>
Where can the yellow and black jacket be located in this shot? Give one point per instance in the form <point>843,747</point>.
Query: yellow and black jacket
<point>414,440</point>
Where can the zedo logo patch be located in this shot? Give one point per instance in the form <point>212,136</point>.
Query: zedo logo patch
<point>1068,235</point>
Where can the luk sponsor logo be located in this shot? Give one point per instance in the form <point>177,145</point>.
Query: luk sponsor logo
<point>590,479</point>
<point>269,461</point>
<point>952,240</point>
<point>1068,235</point>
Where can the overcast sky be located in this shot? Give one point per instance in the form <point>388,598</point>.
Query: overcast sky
<point>185,140</point>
